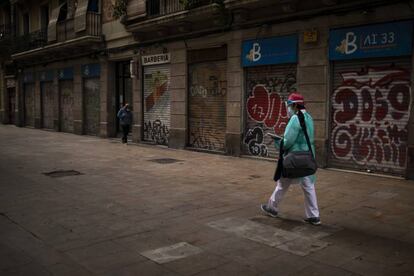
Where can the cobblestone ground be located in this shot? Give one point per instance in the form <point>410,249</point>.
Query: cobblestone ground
<point>147,210</point>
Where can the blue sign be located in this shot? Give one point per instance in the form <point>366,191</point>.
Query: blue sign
<point>91,70</point>
<point>380,40</point>
<point>46,75</point>
<point>275,50</point>
<point>65,74</point>
<point>28,77</point>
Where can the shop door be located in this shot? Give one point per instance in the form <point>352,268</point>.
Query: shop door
<point>48,104</point>
<point>66,105</point>
<point>157,104</point>
<point>207,105</point>
<point>123,88</point>
<point>12,105</point>
<point>267,89</point>
<point>370,105</point>
<point>91,106</point>
<point>29,105</point>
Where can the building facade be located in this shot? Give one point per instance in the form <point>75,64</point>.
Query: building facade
<point>214,75</point>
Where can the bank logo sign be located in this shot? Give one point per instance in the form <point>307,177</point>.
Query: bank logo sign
<point>275,50</point>
<point>379,40</point>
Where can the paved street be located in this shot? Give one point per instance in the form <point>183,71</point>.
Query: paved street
<point>147,210</point>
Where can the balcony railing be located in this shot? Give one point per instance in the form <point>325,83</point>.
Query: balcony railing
<point>29,41</point>
<point>5,31</point>
<point>65,30</point>
<point>93,24</point>
<point>163,7</point>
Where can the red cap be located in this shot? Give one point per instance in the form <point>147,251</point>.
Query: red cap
<point>296,97</point>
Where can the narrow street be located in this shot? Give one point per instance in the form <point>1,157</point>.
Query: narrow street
<point>82,205</point>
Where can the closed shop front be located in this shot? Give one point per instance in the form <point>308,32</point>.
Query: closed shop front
<point>270,70</point>
<point>91,98</point>
<point>11,94</point>
<point>370,99</point>
<point>207,98</point>
<point>66,99</point>
<point>47,94</point>
<point>29,99</point>
<point>157,98</point>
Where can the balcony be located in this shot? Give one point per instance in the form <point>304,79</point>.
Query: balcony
<point>154,20</point>
<point>66,41</point>
<point>163,7</point>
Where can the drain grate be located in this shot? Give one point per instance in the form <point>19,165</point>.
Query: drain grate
<point>165,160</point>
<point>62,173</point>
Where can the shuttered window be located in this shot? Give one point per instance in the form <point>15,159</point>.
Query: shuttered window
<point>207,105</point>
<point>370,104</point>
<point>29,104</point>
<point>48,104</point>
<point>267,88</point>
<point>157,103</point>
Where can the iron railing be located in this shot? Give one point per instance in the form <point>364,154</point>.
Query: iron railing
<point>93,24</point>
<point>5,31</point>
<point>163,7</point>
<point>29,41</point>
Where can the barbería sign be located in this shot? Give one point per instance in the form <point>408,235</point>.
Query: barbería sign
<point>156,59</point>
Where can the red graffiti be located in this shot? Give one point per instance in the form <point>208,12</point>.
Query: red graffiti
<point>268,108</point>
<point>370,118</point>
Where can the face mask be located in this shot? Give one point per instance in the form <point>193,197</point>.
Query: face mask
<point>290,111</point>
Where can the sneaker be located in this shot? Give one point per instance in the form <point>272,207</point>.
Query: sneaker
<point>270,212</point>
<point>313,221</point>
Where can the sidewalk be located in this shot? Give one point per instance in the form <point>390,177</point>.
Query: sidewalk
<point>147,210</point>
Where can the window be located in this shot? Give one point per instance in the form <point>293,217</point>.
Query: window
<point>44,16</point>
<point>26,23</point>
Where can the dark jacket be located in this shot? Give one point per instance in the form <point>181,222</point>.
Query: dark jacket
<point>125,116</point>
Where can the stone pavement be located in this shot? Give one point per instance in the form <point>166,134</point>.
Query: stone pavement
<point>148,210</point>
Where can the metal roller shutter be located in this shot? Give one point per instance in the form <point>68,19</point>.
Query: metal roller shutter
<point>207,105</point>
<point>267,88</point>
<point>157,104</point>
<point>47,104</point>
<point>92,106</point>
<point>369,115</point>
<point>66,105</point>
<point>29,106</point>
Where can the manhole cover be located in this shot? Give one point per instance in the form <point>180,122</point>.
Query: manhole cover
<point>62,173</point>
<point>165,160</point>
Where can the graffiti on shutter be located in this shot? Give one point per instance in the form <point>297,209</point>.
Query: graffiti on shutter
<point>29,107</point>
<point>157,104</point>
<point>92,106</point>
<point>66,105</point>
<point>370,112</point>
<point>207,112</point>
<point>267,90</point>
<point>47,104</point>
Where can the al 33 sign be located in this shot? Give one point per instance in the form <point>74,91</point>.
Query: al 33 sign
<point>379,40</point>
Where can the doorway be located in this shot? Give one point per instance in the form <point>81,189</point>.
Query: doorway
<point>123,88</point>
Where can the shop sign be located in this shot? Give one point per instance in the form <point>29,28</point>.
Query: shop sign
<point>156,59</point>
<point>91,70</point>
<point>65,73</point>
<point>275,50</point>
<point>46,75</point>
<point>379,40</point>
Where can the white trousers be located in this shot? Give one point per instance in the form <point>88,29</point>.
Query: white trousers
<point>308,186</point>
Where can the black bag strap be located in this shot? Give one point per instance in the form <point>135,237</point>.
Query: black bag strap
<point>303,125</point>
